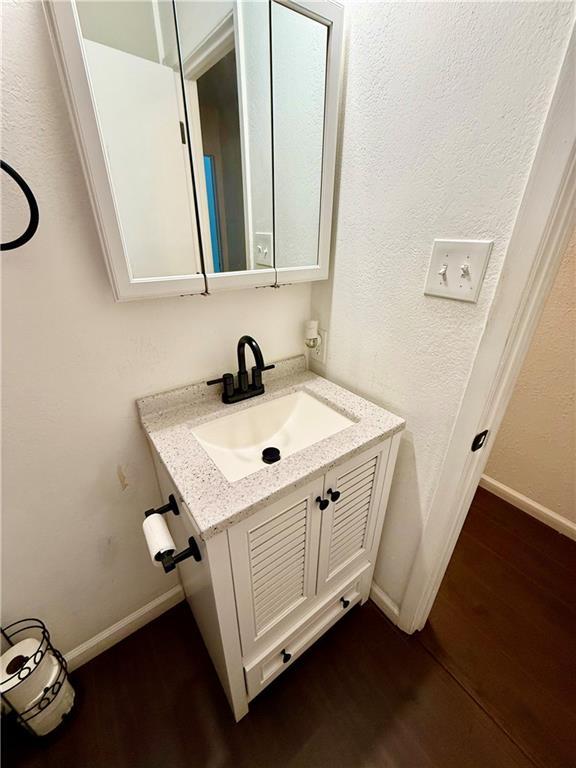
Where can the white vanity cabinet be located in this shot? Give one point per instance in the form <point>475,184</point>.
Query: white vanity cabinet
<point>290,555</point>
<point>271,583</point>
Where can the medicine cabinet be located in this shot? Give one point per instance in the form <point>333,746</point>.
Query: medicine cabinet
<point>208,136</point>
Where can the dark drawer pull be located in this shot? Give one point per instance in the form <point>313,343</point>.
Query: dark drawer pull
<point>345,603</point>
<point>322,503</point>
<point>334,495</point>
<point>285,656</point>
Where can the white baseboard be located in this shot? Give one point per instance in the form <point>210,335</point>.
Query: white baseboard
<point>388,607</point>
<point>533,508</point>
<point>112,635</point>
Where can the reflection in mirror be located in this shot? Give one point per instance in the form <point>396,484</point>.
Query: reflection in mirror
<point>138,99</point>
<point>222,155</point>
<point>299,50</point>
<point>254,76</point>
<point>226,65</point>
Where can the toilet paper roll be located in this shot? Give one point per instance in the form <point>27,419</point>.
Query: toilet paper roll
<point>20,658</point>
<point>157,536</point>
<point>47,719</point>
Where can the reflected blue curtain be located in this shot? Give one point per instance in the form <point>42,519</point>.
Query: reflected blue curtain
<point>213,211</point>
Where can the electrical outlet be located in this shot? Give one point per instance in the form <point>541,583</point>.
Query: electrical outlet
<point>457,268</point>
<point>319,353</point>
<point>263,252</point>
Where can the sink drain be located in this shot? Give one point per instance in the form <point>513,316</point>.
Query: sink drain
<point>270,455</point>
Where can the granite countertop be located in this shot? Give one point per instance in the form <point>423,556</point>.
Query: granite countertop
<point>216,503</point>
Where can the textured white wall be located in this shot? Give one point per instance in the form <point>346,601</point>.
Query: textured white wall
<point>77,472</point>
<point>127,25</point>
<point>196,20</point>
<point>444,104</point>
<point>535,450</point>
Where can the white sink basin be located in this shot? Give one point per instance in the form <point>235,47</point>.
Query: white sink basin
<point>290,423</point>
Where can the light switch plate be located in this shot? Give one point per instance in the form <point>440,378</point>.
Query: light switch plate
<point>457,268</point>
<point>263,252</point>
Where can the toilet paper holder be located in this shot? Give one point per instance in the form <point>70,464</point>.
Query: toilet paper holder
<point>169,560</point>
<point>172,506</point>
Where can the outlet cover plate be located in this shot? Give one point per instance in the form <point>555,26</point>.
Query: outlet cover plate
<point>457,268</point>
<point>319,353</point>
<point>263,251</point>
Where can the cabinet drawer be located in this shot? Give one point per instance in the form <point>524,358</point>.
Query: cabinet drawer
<point>276,659</point>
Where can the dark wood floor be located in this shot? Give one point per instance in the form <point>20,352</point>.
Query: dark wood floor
<point>489,683</point>
<point>504,625</point>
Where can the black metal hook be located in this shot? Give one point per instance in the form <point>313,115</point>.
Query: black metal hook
<point>30,231</point>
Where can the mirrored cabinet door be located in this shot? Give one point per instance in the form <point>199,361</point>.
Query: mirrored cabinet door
<point>225,48</point>
<point>299,51</point>
<point>148,216</point>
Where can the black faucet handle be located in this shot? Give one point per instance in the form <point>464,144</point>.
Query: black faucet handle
<point>256,377</point>
<point>243,381</point>
<point>257,374</point>
<point>228,381</point>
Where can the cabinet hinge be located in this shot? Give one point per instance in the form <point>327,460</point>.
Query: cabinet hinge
<point>479,440</point>
<point>182,132</point>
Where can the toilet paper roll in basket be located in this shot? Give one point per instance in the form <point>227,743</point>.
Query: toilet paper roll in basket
<point>157,537</point>
<point>21,678</point>
<point>33,677</point>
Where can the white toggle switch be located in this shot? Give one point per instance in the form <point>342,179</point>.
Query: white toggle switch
<point>457,268</point>
<point>263,255</point>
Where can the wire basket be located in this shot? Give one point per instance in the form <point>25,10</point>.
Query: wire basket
<point>47,706</point>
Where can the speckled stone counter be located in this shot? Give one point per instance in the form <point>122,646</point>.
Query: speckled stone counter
<point>215,502</point>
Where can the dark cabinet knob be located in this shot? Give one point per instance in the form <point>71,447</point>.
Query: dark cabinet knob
<point>322,503</point>
<point>285,656</point>
<point>334,495</point>
<point>345,603</point>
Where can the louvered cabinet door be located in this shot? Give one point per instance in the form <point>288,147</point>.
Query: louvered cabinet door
<point>274,556</point>
<point>348,523</point>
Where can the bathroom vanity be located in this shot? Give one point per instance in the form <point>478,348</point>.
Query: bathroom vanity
<point>287,548</point>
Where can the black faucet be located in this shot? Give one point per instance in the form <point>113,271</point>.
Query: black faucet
<point>232,394</point>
